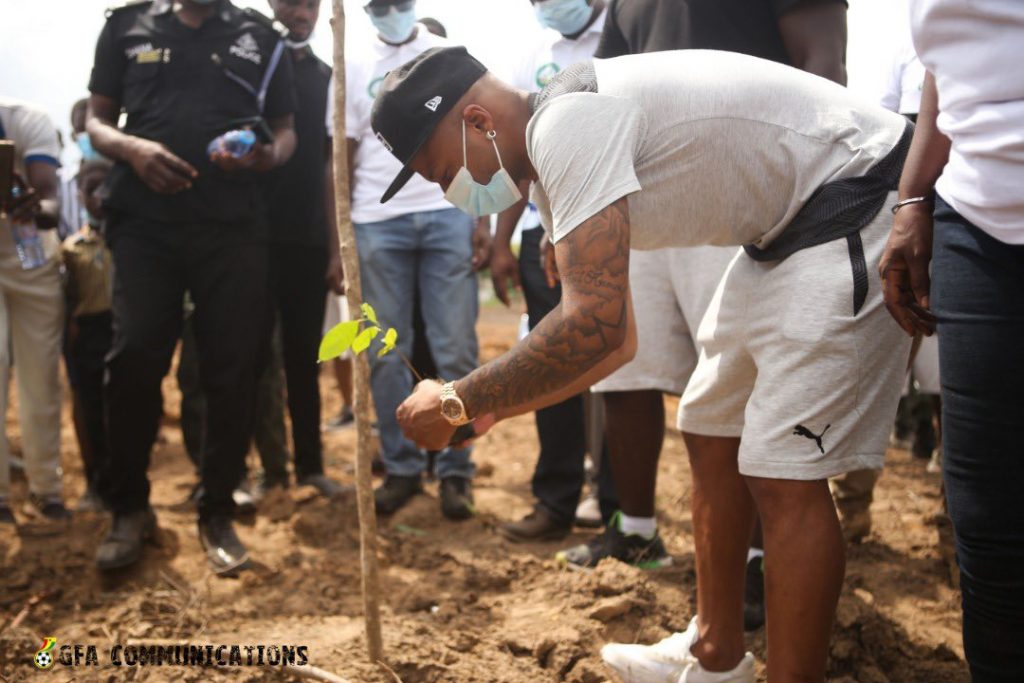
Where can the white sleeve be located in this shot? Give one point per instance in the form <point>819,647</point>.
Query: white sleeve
<point>357,104</point>
<point>35,136</point>
<point>580,173</point>
<point>893,88</point>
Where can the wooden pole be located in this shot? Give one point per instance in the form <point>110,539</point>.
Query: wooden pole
<point>361,368</point>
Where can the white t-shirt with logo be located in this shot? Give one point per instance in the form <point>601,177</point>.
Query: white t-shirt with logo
<point>975,49</point>
<point>375,167</point>
<point>548,56</point>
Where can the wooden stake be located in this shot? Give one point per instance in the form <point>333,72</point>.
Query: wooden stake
<point>361,368</point>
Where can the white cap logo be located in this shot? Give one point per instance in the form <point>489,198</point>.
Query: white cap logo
<point>433,103</point>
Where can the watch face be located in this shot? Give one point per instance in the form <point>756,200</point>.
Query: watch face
<point>451,408</point>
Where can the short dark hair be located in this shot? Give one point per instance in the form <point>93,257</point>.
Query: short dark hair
<point>434,26</point>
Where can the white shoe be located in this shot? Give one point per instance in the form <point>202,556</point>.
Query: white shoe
<point>588,513</point>
<point>670,661</point>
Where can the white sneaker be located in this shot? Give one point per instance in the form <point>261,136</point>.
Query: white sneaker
<point>670,661</point>
<point>588,513</point>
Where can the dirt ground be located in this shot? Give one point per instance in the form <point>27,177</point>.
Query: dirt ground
<point>459,602</point>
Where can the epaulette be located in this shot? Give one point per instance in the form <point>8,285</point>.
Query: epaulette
<point>272,24</point>
<point>129,4</point>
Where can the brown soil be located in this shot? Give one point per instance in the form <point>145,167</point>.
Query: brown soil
<point>459,603</point>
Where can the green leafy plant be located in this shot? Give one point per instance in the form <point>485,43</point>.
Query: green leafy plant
<point>358,334</point>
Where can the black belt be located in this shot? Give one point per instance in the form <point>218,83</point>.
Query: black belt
<point>842,208</point>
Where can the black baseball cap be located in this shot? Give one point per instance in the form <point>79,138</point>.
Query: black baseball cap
<point>415,97</point>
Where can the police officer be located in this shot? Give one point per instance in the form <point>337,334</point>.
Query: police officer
<point>180,220</point>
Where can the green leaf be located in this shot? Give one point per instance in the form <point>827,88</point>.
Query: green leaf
<point>388,343</point>
<point>369,313</point>
<point>362,342</point>
<point>338,340</point>
<point>411,530</point>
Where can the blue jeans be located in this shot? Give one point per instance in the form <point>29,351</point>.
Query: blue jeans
<point>978,297</point>
<point>432,248</point>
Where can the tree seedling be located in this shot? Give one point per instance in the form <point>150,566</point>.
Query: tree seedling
<point>358,334</point>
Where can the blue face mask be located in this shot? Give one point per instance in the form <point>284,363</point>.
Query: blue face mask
<point>89,152</point>
<point>568,17</point>
<point>482,200</point>
<point>396,26</point>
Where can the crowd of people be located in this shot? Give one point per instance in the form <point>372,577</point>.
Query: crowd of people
<point>703,210</point>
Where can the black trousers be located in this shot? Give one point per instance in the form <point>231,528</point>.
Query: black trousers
<point>978,297</point>
<point>84,357</point>
<point>559,476</point>
<point>299,292</point>
<point>226,274</point>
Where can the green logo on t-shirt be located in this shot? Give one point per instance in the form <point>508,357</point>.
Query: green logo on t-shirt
<point>374,87</point>
<point>546,73</point>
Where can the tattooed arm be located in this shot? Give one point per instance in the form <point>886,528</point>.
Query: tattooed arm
<point>581,341</point>
<point>586,337</point>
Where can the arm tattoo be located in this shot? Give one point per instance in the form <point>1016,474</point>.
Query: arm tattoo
<point>588,324</point>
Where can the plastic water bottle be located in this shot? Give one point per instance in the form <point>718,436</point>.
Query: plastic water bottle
<point>237,143</point>
<point>29,245</point>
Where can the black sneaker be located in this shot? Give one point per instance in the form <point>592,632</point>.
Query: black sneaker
<point>645,553</point>
<point>50,508</point>
<point>396,492</point>
<point>457,498</point>
<point>225,552</point>
<point>753,595</point>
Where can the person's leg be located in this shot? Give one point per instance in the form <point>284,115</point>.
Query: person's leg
<point>978,297</point>
<point>147,315</point>
<point>635,428</point>
<point>853,493</point>
<point>193,401</point>
<point>723,519</point>
<point>342,368</point>
<point>804,565</point>
<point>228,282</point>
<point>559,474</point>
<point>301,291</point>
<point>270,434</point>
<point>387,265</point>
<point>95,336</point>
<point>35,309</point>
<point>448,288</point>
<point>5,377</point>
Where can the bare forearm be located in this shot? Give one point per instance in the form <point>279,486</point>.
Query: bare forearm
<point>109,141</point>
<point>590,324</point>
<point>929,151</point>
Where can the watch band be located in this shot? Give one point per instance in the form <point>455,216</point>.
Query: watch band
<point>450,398</point>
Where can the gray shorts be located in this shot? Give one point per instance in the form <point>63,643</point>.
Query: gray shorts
<point>810,388</point>
<point>671,290</point>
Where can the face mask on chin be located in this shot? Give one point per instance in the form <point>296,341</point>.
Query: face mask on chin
<point>396,26</point>
<point>568,17</point>
<point>482,200</point>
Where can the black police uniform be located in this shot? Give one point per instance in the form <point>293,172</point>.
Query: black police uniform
<point>183,87</point>
<point>298,258</point>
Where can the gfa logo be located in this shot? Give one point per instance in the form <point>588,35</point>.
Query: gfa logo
<point>44,658</point>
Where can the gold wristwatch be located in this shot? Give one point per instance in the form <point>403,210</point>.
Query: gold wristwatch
<point>452,407</point>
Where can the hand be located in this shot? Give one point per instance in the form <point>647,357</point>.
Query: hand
<point>160,169</point>
<point>24,207</point>
<point>335,275</point>
<point>904,269</point>
<point>260,158</point>
<point>481,242</point>
<point>504,272</point>
<point>420,417</point>
<point>547,262</point>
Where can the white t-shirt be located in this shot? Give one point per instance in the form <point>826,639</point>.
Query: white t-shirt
<point>548,57</point>
<point>35,139</point>
<point>375,167</point>
<point>710,147</point>
<point>975,49</point>
<point>904,81</point>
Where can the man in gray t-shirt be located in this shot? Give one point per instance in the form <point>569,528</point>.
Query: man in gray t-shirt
<point>800,366</point>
